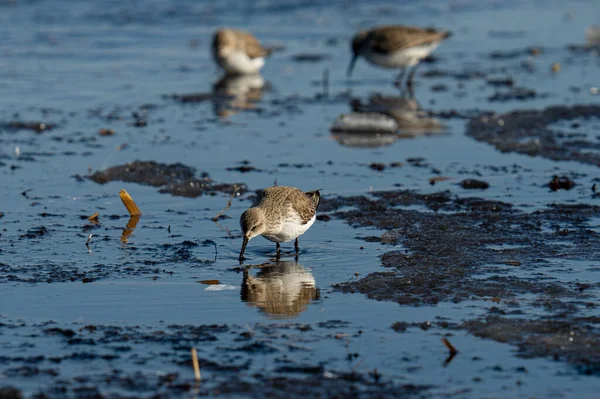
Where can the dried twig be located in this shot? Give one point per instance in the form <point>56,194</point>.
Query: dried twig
<point>209,282</point>
<point>452,349</point>
<point>94,217</point>
<point>196,365</point>
<point>231,197</point>
<point>132,208</point>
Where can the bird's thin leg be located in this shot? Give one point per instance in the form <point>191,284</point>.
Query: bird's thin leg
<point>409,81</point>
<point>296,247</point>
<point>277,250</point>
<point>400,79</point>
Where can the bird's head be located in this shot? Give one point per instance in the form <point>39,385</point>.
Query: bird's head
<point>223,42</point>
<point>358,44</point>
<point>252,223</point>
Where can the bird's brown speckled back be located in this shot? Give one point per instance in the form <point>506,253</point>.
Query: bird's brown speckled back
<point>278,197</point>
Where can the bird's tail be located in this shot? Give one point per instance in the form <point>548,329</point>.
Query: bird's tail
<point>273,49</point>
<point>315,196</point>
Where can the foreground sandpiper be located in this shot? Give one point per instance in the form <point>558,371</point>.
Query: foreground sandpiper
<point>279,214</point>
<point>397,47</point>
<point>238,52</point>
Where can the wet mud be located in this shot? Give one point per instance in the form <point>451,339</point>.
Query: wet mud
<point>469,249</point>
<point>227,354</point>
<point>503,263</point>
<point>533,132</point>
<point>175,179</point>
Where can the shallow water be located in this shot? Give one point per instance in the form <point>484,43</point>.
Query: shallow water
<point>92,65</point>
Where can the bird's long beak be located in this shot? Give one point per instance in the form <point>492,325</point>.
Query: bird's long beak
<point>241,258</point>
<point>351,66</point>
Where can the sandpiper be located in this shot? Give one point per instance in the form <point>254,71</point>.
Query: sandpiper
<point>397,47</point>
<point>238,52</point>
<point>279,214</point>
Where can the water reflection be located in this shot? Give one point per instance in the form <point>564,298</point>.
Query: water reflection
<point>281,289</point>
<point>411,118</point>
<point>232,94</point>
<point>381,120</point>
<point>129,228</point>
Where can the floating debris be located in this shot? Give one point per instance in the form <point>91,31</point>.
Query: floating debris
<point>209,282</point>
<point>131,206</point>
<point>561,183</point>
<point>94,218</point>
<point>106,132</point>
<point>471,184</point>
<point>37,127</point>
<point>222,211</point>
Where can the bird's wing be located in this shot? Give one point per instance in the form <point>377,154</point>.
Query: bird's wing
<point>315,196</point>
<point>304,206</point>
<point>395,38</point>
<point>251,45</point>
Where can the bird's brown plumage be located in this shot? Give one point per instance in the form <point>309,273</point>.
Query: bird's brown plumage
<point>277,197</point>
<point>387,39</point>
<point>239,40</point>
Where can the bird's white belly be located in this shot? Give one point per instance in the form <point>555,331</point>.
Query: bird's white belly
<point>238,63</point>
<point>401,59</point>
<point>290,229</point>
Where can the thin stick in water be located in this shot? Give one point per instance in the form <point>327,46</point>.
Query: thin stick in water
<point>452,353</point>
<point>450,347</point>
<point>196,365</point>
<point>218,215</point>
<point>132,208</point>
<point>94,217</point>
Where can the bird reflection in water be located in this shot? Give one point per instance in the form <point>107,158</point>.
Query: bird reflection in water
<point>281,290</point>
<point>412,119</point>
<point>381,120</point>
<point>232,94</point>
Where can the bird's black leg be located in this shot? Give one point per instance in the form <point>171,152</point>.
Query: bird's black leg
<point>409,81</point>
<point>277,250</point>
<point>400,79</point>
<point>296,247</point>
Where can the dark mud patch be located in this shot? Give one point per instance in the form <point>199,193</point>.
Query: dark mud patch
<point>37,232</point>
<point>446,253</point>
<point>225,372</point>
<point>348,385</point>
<point>472,184</point>
<point>475,249</point>
<point>243,167</point>
<point>530,132</point>
<point>15,126</point>
<point>157,259</point>
<point>516,94</point>
<point>561,183</point>
<point>176,179</point>
<point>574,341</point>
<point>516,54</point>
<point>10,393</point>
